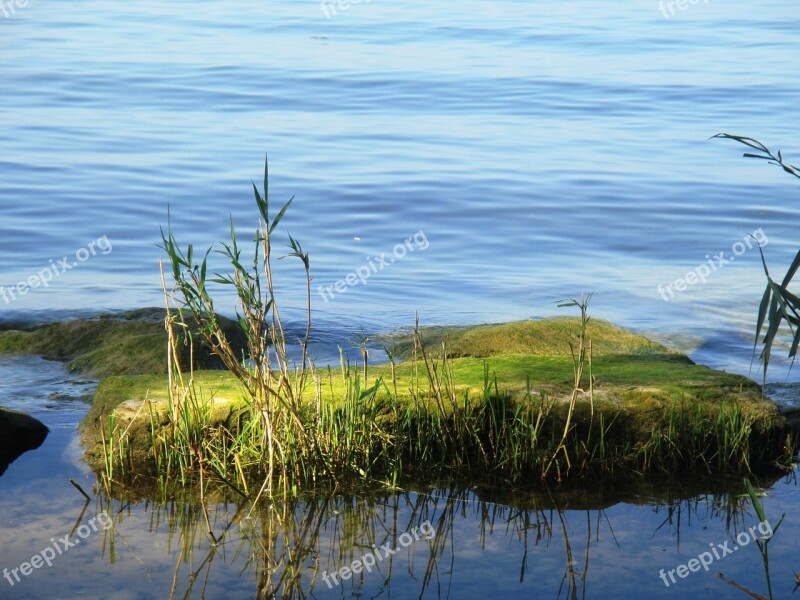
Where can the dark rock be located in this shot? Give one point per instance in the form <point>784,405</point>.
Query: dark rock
<point>128,343</point>
<point>19,433</point>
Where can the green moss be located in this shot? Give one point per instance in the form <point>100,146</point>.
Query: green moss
<point>113,391</point>
<point>546,337</point>
<point>643,394</point>
<point>647,379</point>
<point>129,343</point>
<point>16,342</point>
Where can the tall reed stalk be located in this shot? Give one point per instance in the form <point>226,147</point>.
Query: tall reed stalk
<point>778,304</point>
<point>578,364</point>
<point>273,387</point>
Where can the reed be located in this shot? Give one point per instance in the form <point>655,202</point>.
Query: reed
<point>762,544</point>
<point>579,360</point>
<point>778,304</point>
<point>272,387</point>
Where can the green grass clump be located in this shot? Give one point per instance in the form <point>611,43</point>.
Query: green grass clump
<point>490,420</point>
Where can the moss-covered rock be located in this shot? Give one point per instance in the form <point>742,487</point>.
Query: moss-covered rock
<point>545,337</point>
<point>638,399</point>
<point>138,404</point>
<point>128,343</point>
<point>643,399</point>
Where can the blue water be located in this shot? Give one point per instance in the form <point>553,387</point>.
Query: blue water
<point>538,149</point>
<point>543,149</point>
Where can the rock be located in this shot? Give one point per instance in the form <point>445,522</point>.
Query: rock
<point>128,343</point>
<point>19,433</point>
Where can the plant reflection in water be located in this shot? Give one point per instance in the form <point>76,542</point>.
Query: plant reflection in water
<point>282,548</point>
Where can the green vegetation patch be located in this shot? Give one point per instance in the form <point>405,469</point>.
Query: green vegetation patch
<point>128,343</point>
<point>546,337</point>
<point>647,411</point>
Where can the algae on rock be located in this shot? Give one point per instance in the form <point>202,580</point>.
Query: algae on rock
<point>652,410</point>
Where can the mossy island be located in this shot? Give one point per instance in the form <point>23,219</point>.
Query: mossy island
<point>493,413</point>
<point>189,397</point>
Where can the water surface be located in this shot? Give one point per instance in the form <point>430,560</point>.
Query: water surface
<point>544,149</point>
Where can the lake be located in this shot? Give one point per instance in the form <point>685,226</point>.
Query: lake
<point>543,150</point>
<point>476,161</point>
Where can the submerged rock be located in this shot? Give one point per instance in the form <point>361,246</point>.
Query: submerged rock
<point>19,432</point>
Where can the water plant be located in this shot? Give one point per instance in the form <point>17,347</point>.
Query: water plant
<point>273,387</point>
<point>778,304</point>
<point>579,361</point>
<point>762,544</point>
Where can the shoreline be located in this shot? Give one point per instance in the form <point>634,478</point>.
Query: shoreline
<point>635,377</point>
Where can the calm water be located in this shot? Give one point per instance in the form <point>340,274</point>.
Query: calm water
<point>543,149</point>
<point>537,149</point>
